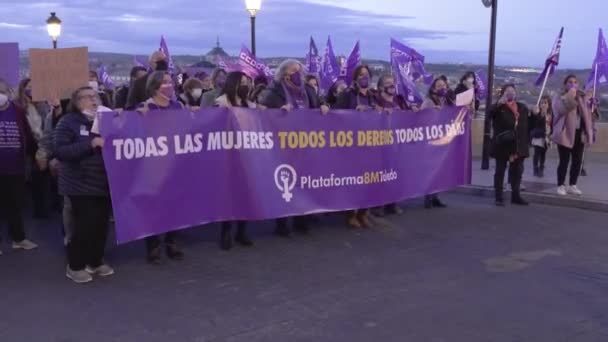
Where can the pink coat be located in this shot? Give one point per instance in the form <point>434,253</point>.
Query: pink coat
<point>564,120</point>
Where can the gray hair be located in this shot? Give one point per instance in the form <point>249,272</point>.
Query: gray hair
<point>281,72</point>
<point>155,80</point>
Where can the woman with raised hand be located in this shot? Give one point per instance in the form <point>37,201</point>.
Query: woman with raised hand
<point>511,142</point>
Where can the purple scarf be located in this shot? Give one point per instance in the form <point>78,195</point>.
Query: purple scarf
<point>298,99</point>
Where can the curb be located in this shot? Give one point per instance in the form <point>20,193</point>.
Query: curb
<point>538,198</point>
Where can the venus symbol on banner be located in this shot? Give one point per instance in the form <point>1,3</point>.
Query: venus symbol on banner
<point>285,178</point>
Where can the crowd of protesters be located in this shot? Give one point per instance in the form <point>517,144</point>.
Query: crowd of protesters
<point>55,146</point>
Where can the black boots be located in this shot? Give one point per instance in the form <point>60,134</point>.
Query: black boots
<point>241,235</point>
<point>433,201</point>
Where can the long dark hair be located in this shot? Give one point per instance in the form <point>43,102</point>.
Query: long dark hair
<point>467,75</point>
<point>548,99</point>
<point>504,88</point>
<point>231,88</point>
<point>22,99</point>
<point>358,71</point>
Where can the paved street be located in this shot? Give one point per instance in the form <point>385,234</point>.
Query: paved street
<point>471,272</point>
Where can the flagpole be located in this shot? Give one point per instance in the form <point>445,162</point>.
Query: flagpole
<point>594,86</point>
<point>542,89</point>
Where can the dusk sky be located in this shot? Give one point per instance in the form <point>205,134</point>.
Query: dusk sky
<point>443,30</point>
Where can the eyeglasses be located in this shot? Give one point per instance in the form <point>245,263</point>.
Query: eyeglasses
<point>88,97</point>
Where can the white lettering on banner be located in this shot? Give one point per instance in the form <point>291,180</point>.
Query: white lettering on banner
<point>137,148</point>
<point>285,179</point>
<point>9,135</point>
<point>191,143</point>
<point>239,140</point>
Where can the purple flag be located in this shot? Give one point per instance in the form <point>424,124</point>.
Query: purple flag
<point>313,60</point>
<point>104,77</point>
<point>140,61</point>
<point>251,65</point>
<point>552,61</point>
<point>181,169</point>
<point>330,71</point>
<point>481,92</point>
<point>415,68</point>
<point>405,87</point>
<point>9,67</point>
<point>165,49</point>
<point>600,63</point>
<point>354,59</point>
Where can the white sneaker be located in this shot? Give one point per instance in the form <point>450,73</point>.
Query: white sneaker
<point>574,190</point>
<point>561,190</point>
<point>102,271</point>
<point>25,244</point>
<point>79,277</point>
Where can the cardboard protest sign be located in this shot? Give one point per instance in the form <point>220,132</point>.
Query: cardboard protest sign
<point>56,73</point>
<point>9,63</point>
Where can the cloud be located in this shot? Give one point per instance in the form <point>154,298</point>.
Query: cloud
<point>13,26</point>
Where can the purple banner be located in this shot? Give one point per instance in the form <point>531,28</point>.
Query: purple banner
<point>481,78</point>
<point>9,67</point>
<point>599,70</point>
<point>165,49</point>
<point>175,169</point>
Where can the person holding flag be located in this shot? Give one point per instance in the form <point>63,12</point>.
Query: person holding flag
<point>572,129</point>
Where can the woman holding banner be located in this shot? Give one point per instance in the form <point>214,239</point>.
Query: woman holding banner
<point>439,96</point>
<point>193,94</point>
<point>288,92</point>
<point>510,142</point>
<point>161,90</point>
<point>83,178</point>
<point>388,100</point>
<point>359,97</point>
<point>572,129</point>
<point>334,92</point>
<point>235,94</point>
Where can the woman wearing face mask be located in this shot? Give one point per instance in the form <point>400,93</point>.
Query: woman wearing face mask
<point>389,101</point>
<point>334,92</point>
<point>161,90</point>
<point>510,142</point>
<point>540,132</point>
<point>467,82</point>
<point>36,113</point>
<point>16,141</point>
<point>206,82</point>
<point>359,97</point>
<point>193,93</point>
<point>572,129</point>
<point>439,96</point>
<point>219,79</point>
<point>288,92</point>
<point>313,82</point>
<point>83,178</point>
<point>235,94</point>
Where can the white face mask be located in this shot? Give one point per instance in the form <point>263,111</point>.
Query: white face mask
<point>3,100</point>
<point>196,93</point>
<point>94,85</point>
<point>90,114</point>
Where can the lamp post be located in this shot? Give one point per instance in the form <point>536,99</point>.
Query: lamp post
<point>53,26</point>
<point>253,7</point>
<point>487,122</point>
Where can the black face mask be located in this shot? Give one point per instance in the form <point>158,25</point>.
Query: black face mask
<point>243,92</point>
<point>162,65</point>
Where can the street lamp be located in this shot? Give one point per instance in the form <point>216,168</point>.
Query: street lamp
<point>253,7</point>
<point>53,26</point>
<point>487,122</point>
